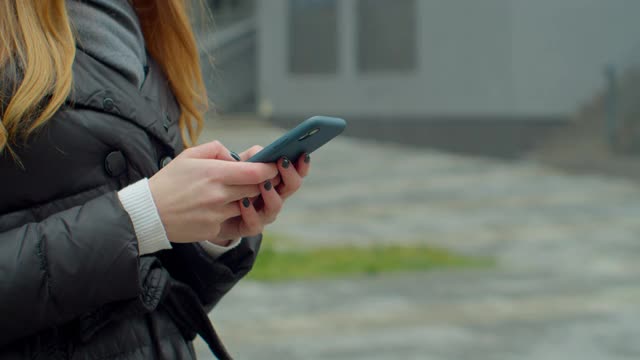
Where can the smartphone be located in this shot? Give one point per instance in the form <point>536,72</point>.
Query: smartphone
<point>308,136</point>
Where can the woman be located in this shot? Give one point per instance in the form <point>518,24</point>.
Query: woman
<point>114,242</point>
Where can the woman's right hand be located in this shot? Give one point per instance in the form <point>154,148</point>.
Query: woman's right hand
<point>197,191</point>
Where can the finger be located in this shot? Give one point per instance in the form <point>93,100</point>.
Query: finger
<point>230,210</point>
<point>276,181</point>
<point>291,180</point>
<point>303,165</point>
<point>272,203</point>
<point>234,193</point>
<point>210,150</point>
<point>243,173</point>
<point>246,155</point>
<point>251,222</point>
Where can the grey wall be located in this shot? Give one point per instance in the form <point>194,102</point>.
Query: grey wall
<point>560,49</point>
<point>476,59</point>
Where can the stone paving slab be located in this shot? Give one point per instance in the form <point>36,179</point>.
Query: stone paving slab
<point>459,315</point>
<point>566,285</point>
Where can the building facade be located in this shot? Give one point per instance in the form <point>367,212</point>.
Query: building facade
<point>425,59</point>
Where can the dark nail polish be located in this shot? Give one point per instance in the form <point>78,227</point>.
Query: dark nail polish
<point>285,163</point>
<point>235,155</point>
<point>307,158</point>
<point>246,203</point>
<point>267,185</point>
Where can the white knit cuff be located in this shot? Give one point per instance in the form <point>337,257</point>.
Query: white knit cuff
<point>215,250</point>
<point>138,202</point>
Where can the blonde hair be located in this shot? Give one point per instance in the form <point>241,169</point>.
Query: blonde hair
<point>37,49</point>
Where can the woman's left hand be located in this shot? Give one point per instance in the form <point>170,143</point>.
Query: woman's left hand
<point>258,212</point>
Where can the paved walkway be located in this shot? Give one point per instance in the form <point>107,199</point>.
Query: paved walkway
<point>566,285</point>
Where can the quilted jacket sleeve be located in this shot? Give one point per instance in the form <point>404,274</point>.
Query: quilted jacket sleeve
<point>211,278</point>
<point>71,262</point>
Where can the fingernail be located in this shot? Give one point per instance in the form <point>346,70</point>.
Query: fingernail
<point>307,158</point>
<point>285,162</point>
<point>246,203</point>
<point>235,155</point>
<point>267,185</point>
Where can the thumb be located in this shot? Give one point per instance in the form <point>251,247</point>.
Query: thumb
<point>211,150</point>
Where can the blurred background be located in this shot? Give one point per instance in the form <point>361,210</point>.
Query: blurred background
<point>484,200</point>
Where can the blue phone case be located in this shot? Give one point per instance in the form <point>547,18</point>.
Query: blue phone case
<point>308,136</point>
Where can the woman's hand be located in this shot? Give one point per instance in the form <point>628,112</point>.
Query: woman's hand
<point>256,213</point>
<point>200,189</point>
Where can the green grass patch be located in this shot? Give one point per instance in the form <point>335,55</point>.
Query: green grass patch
<point>275,264</point>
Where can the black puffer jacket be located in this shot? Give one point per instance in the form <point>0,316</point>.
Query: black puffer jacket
<point>72,284</point>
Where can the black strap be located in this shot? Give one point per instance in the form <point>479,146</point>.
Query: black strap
<point>187,312</point>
